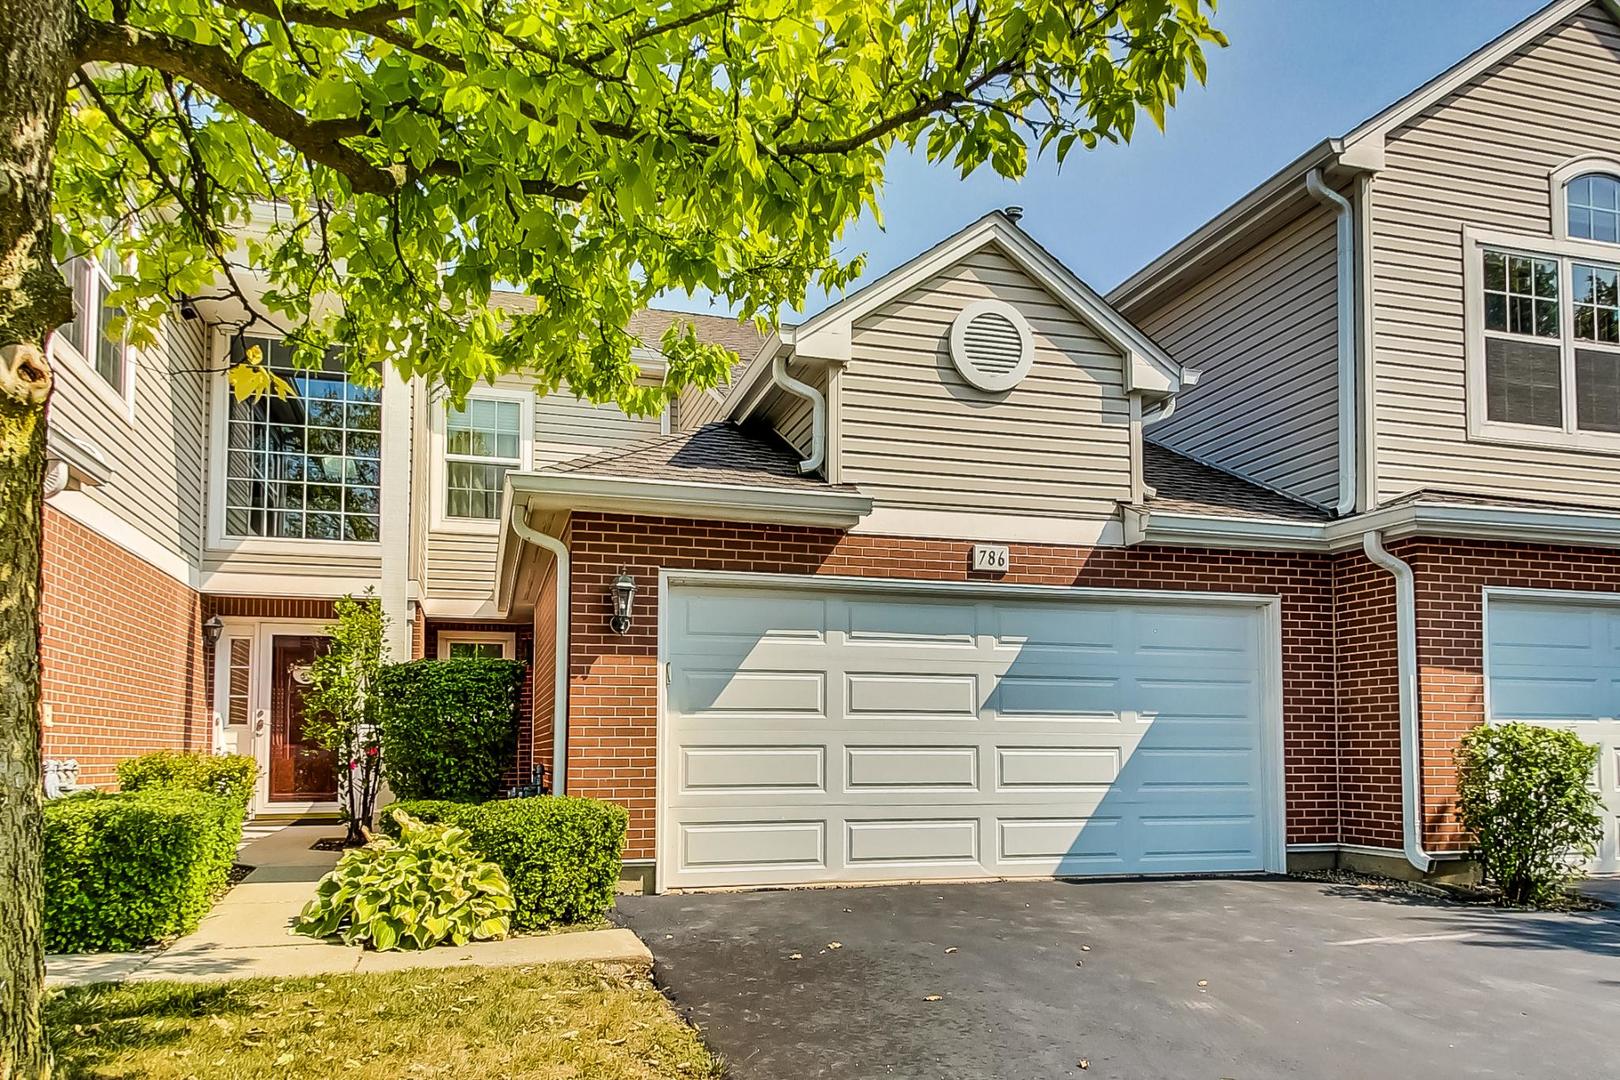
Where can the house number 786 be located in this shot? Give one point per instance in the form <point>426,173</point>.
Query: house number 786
<point>991,557</point>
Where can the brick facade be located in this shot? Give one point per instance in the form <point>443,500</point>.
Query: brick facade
<point>121,654</point>
<point>613,678</point>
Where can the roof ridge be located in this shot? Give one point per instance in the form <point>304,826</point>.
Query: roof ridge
<point>1234,474</point>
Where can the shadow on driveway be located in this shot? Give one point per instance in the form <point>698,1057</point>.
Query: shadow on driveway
<point>1299,979</point>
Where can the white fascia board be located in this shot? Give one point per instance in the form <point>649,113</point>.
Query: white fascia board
<point>1496,523</point>
<point>747,391</point>
<point>674,498</point>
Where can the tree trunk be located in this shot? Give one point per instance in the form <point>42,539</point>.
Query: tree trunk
<point>36,59</point>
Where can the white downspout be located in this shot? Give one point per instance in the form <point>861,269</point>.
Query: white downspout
<point>1407,667</point>
<point>818,412</point>
<point>1346,278</point>
<point>559,696</point>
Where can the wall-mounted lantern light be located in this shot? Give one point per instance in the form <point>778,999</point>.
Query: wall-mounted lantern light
<point>212,628</point>
<point>624,595</point>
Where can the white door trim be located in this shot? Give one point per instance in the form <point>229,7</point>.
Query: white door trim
<point>1507,592</point>
<point>1275,825</point>
<point>261,632</point>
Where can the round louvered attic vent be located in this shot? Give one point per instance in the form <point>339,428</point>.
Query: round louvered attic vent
<point>990,345</point>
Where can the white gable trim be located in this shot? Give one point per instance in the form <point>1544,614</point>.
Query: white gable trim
<point>1149,369</point>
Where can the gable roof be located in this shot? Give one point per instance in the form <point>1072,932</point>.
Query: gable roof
<point>827,335</point>
<point>1359,150</point>
<point>717,453</point>
<point>1184,485</point>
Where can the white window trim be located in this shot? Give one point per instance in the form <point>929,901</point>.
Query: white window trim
<point>1560,178</point>
<point>438,479</point>
<point>1481,429</point>
<point>120,398</point>
<point>506,640</point>
<point>218,441</point>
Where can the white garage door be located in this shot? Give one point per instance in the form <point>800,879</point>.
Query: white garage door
<point>1557,662</point>
<point>817,734</point>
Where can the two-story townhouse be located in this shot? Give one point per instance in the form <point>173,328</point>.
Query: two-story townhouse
<point>195,544</point>
<point>978,573</point>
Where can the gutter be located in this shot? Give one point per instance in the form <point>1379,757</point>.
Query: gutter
<point>1345,225</point>
<point>1407,670</point>
<point>559,695</point>
<point>813,506</point>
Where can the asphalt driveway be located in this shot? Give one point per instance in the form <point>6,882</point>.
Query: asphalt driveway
<point>1241,979</point>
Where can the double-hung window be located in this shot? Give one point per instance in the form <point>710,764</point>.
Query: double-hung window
<point>1545,351</point>
<point>305,466</point>
<point>95,336</point>
<point>483,441</point>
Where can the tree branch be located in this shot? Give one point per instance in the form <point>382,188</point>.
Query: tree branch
<point>212,68</point>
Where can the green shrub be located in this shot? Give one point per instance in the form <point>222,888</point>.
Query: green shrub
<point>449,727</point>
<point>1524,792</point>
<point>561,854</point>
<point>424,888</point>
<point>230,775</point>
<point>128,868</point>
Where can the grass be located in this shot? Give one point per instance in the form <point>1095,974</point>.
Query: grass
<point>557,1021</point>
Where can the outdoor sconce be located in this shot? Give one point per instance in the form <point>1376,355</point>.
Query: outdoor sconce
<point>212,628</point>
<point>624,595</point>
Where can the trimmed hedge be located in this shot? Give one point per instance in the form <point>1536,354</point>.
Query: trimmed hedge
<point>560,854</point>
<point>129,868</point>
<point>449,727</point>
<point>230,775</point>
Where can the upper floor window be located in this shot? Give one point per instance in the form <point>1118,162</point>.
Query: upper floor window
<point>306,466</point>
<point>1592,202</point>
<point>91,334</point>
<point>483,441</point>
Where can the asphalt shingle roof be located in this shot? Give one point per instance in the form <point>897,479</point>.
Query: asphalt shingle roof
<point>649,325</point>
<point>718,453</point>
<point>1187,486</point>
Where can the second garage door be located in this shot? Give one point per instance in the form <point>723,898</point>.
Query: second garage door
<point>817,734</point>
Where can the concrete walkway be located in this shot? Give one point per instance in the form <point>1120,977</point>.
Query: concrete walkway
<point>248,935</point>
<point>1605,887</point>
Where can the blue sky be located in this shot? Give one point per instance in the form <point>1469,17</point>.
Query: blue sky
<point>1296,72</point>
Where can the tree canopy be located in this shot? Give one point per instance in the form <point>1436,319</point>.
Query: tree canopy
<point>404,157</point>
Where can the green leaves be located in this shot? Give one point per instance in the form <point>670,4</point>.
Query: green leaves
<point>1525,792</point>
<point>590,156</point>
<point>414,893</point>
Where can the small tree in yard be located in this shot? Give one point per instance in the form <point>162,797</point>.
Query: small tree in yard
<point>343,711</point>
<point>1525,793</point>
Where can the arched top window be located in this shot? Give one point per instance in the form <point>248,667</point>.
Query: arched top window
<point>1592,202</point>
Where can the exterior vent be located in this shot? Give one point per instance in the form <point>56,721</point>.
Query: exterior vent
<point>991,346</point>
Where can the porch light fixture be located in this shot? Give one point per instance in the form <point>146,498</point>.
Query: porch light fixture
<point>624,595</point>
<point>212,628</point>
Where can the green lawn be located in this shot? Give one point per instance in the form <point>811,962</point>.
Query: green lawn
<point>550,1021</point>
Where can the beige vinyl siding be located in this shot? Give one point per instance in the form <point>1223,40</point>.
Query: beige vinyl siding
<point>461,566</point>
<point>792,416</point>
<point>1481,157</point>
<point>915,435</point>
<point>158,459</point>
<point>567,427</point>
<point>698,407</point>
<point>1262,330</point>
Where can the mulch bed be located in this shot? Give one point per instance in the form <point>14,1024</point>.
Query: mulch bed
<point>1474,896</point>
<point>238,872</point>
<point>334,843</point>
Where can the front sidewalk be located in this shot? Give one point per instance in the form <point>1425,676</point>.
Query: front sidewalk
<point>247,933</point>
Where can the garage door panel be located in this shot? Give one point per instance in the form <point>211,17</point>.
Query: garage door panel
<point>890,693</point>
<point>911,768</point>
<point>731,769</point>
<point>724,690</point>
<point>720,622</point>
<point>942,747</point>
<point>912,842</point>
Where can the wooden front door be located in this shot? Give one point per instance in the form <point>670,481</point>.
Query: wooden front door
<point>300,771</point>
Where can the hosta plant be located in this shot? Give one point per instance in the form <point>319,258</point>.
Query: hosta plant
<point>425,888</point>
